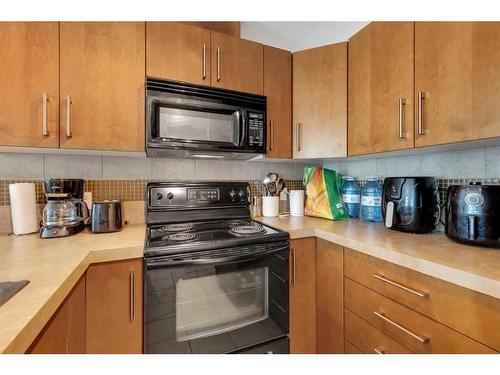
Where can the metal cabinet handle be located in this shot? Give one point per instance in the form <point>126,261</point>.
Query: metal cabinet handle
<point>45,128</point>
<point>421,339</point>
<point>271,135</point>
<point>218,64</point>
<point>68,117</point>
<point>402,103</point>
<point>397,285</point>
<point>379,351</point>
<point>132,295</point>
<point>421,97</point>
<point>204,62</point>
<point>294,265</point>
<point>299,136</point>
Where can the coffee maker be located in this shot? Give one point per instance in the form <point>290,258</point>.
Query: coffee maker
<point>65,211</point>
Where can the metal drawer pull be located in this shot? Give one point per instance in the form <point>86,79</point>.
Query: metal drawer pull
<point>378,351</point>
<point>204,62</point>
<point>421,97</point>
<point>68,117</point>
<point>422,339</point>
<point>293,267</point>
<point>132,295</point>
<point>393,283</point>
<point>402,104</point>
<point>218,64</point>
<point>45,129</point>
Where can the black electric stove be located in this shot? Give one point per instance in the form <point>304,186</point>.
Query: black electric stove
<point>216,281</point>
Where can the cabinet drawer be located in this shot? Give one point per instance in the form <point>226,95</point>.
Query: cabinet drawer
<point>474,314</point>
<point>414,330</point>
<point>368,339</point>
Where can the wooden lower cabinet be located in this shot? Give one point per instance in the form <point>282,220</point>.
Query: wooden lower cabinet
<point>303,296</point>
<point>65,332</point>
<point>114,307</point>
<point>329,298</point>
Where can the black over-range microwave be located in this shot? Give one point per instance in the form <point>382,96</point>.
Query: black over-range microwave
<point>185,120</point>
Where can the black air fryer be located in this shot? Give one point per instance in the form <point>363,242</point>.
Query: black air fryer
<point>473,214</point>
<point>411,204</point>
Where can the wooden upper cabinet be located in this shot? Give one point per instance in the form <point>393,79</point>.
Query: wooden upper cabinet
<point>114,308</point>
<point>320,102</point>
<point>278,89</point>
<point>303,296</point>
<point>102,69</point>
<point>178,51</point>
<point>237,64</point>
<point>381,60</point>
<point>230,28</point>
<point>29,68</point>
<point>457,67</point>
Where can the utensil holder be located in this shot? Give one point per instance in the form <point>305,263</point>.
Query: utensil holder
<point>270,206</point>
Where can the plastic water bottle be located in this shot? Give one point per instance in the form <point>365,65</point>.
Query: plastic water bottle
<point>351,195</point>
<point>371,200</point>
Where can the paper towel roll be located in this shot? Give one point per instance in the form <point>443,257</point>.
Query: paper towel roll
<point>297,202</point>
<point>23,208</point>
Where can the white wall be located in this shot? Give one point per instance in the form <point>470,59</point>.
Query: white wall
<point>296,36</point>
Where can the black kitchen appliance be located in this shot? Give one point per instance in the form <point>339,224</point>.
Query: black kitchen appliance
<point>473,214</point>
<point>106,216</point>
<point>411,204</point>
<point>215,281</point>
<point>203,122</point>
<point>65,211</point>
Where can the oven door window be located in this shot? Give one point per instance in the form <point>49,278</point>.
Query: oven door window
<point>199,125</point>
<point>211,305</point>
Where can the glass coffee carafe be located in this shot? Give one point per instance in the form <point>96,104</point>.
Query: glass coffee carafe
<point>64,212</point>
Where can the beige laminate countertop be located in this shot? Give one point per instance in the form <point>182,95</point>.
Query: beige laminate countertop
<point>433,254</point>
<point>54,266</point>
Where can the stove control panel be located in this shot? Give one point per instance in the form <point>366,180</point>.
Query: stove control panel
<point>167,195</point>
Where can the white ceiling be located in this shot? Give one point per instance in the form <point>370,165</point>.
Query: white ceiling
<point>296,36</point>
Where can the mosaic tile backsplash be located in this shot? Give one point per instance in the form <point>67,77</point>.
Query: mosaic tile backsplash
<point>125,190</point>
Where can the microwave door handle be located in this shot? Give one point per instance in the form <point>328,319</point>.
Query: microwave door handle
<point>249,255</point>
<point>243,128</point>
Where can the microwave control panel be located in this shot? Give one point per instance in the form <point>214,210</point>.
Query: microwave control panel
<point>256,129</point>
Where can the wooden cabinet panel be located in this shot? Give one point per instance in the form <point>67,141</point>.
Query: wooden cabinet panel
<point>102,69</point>
<point>114,307</point>
<point>381,59</point>
<point>350,348</point>
<point>237,64</point>
<point>320,102</point>
<point>278,89</point>
<point>230,28</point>
<point>303,296</point>
<point>474,314</point>
<point>65,332</point>
<point>457,66</point>
<point>329,298</point>
<point>434,337</point>
<point>29,67</point>
<point>368,339</point>
<point>178,51</point>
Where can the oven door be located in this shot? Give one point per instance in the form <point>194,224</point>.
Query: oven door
<point>195,124</point>
<point>218,301</point>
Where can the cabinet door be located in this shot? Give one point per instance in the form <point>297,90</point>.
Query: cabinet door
<point>457,67</point>
<point>65,332</point>
<point>320,102</point>
<point>114,307</point>
<point>278,89</point>
<point>29,68</point>
<point>329,297</point>
<point>178,51</point>
<point>237,64</point>
<point>303,296</point>
<point>381,75</point>
<point>102,85</point>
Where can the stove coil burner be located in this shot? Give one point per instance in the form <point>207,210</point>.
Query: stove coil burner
<point>237,222</point>
<point>247,230</point>
<point>181,237</point>
<point>177,227</point>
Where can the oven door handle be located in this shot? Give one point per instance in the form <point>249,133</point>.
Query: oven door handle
<point>173,261</point>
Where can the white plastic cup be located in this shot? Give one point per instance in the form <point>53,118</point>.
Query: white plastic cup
<point>297,202</point>
<point>270,206</point>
